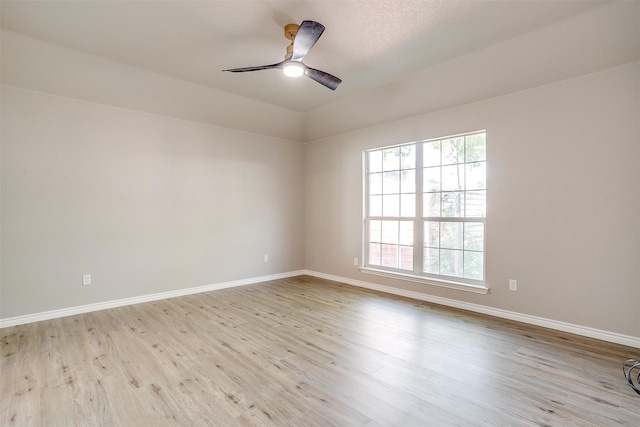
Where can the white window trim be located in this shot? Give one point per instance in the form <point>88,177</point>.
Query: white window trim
<point>443,281</point>
<point>451,284</point>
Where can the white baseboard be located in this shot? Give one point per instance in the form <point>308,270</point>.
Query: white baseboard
<point>54,314</point>
<point>496,312</point>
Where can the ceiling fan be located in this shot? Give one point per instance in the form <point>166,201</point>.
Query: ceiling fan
<point>302,37</point>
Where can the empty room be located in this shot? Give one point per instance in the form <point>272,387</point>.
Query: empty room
<point>320,213</point>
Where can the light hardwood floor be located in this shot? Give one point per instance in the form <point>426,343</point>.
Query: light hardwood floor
<point>306,352</point>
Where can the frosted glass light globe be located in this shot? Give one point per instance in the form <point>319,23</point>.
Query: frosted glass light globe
<point>293,70</point>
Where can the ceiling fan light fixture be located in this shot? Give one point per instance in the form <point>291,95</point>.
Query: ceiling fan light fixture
<point>293,70</point>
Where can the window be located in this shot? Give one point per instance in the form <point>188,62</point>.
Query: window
<point>425,210</point>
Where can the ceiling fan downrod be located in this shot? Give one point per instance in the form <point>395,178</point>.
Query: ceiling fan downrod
<point>290,31</point>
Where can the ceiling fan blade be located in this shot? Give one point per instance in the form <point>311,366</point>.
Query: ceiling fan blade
<point>257,68</point>
<point>323,78</point>
<point>307,35</point>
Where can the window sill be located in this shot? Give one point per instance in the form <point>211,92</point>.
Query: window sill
<point>478,289</point>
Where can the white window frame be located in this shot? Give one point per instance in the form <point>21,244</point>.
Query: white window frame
<point>417,274</point>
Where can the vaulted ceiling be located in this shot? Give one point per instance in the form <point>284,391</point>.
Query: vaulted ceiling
<point>367,43</point>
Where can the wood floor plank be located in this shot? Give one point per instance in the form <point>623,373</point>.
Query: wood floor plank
<point>304,351</point>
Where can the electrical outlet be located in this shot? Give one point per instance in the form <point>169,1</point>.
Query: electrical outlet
<point>513,285</point>
<point>86,279</point>
<point>266,258</point>
<point>355,262</point>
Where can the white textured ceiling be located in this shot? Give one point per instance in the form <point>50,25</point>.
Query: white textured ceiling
<point>367,43</point>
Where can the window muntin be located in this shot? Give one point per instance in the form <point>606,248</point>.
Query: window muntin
<point>425,208</point>
<point>391,244</point>
<point>391,198</point>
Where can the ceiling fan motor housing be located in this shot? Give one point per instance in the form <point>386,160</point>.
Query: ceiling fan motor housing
<point>290,31</point>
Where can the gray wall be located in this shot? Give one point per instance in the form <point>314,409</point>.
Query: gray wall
<point>563,198</point>
<point>144,203</point>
